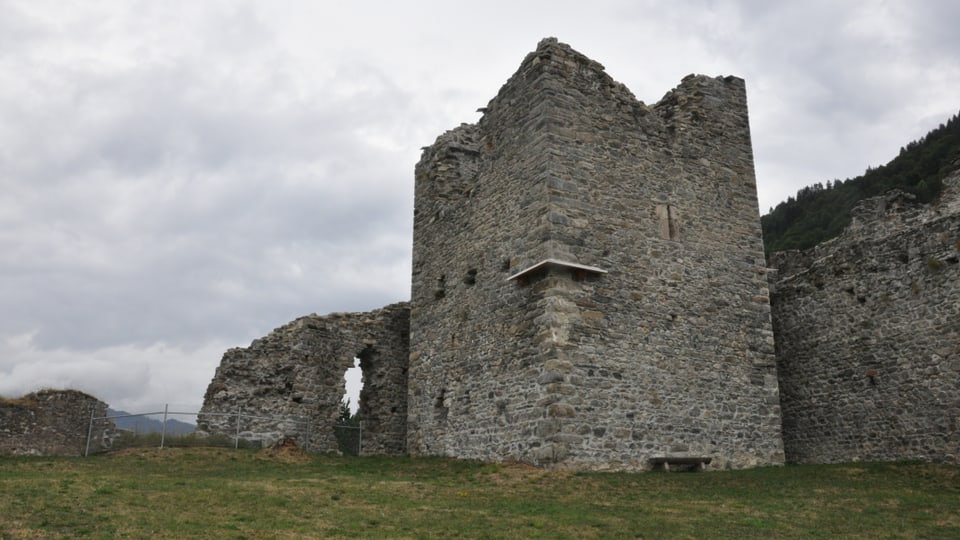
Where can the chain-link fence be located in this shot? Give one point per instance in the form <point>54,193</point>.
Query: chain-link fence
<point>256,430</point>
<point>165,429</point>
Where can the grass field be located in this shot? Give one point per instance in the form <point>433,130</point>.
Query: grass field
<point>225,493</point>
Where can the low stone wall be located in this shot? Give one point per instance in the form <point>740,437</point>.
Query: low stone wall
<point>52,423</point>
<point>868,336</point>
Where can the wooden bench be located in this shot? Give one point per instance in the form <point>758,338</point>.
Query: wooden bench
<point>682,463</point>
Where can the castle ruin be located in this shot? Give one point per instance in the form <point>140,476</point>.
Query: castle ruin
<point>868,335</point>
<point>589,291</point>
<point>54,423</point>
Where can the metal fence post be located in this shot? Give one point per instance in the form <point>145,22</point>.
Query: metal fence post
<point>236,438</point>
<point>86,451</point>
<point>163,427</point>
<point>309,433</point>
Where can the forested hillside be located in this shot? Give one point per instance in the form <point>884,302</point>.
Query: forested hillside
<point>819,212</point>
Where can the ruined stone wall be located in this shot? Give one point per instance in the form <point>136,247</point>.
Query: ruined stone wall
<point>589,291</point>
<point>868,336</point>
<point>297,372</point>
<point>53,423</point>
<point>670,352</point>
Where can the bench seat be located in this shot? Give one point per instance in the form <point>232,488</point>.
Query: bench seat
<point>686,463</point>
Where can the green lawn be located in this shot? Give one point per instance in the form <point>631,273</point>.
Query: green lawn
<point>225,493</point>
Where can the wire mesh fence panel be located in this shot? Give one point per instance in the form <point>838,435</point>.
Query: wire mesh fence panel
<point>154,429</point>
<point>162,429</point>
<point>260,431</point>
<point>349,438</point>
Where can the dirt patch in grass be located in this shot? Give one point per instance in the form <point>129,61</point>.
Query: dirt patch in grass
<point>285,450</point>
<point>512,472</point>
<point>285,455</point>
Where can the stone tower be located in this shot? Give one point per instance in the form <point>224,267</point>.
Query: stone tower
<point>589,285</point>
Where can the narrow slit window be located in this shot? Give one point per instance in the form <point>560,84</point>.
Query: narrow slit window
<point>669,221</point>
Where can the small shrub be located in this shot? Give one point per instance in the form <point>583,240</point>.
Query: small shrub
<point>348,439</point>
<point>934,264</point>
<point>28,401</point>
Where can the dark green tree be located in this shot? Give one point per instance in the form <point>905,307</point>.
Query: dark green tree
<point>347,418</point>
<point>348,430</point>
<point>819,213</point>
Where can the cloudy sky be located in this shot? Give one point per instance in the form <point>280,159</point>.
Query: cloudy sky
<point>181,177</point>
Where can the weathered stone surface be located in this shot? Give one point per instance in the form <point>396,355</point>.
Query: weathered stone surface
<point>53,423</point>
<point>868,336</point>
<point>646,332</point>
<point>671,345</point>
<point>297,372</point>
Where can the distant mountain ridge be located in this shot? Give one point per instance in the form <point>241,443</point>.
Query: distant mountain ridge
<point>820,212</point>
<point>149,424</point>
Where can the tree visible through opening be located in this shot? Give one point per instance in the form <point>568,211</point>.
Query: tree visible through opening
<point>353,384</point>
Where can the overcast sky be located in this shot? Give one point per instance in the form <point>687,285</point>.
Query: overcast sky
<point>181,177</point>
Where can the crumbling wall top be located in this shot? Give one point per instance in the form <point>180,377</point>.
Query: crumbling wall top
<point>874,219</point>
<point>294,379</point>
<point>52,423</point>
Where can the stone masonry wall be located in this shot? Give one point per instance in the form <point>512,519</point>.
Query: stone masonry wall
<point>53,423</point>
<point>670,352</point>
<point>868,336</point>
<point>297,372</point>
<point>589,292</point>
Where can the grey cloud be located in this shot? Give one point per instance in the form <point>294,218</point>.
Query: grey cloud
<point>160,195</point>
<point>180,177</point>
